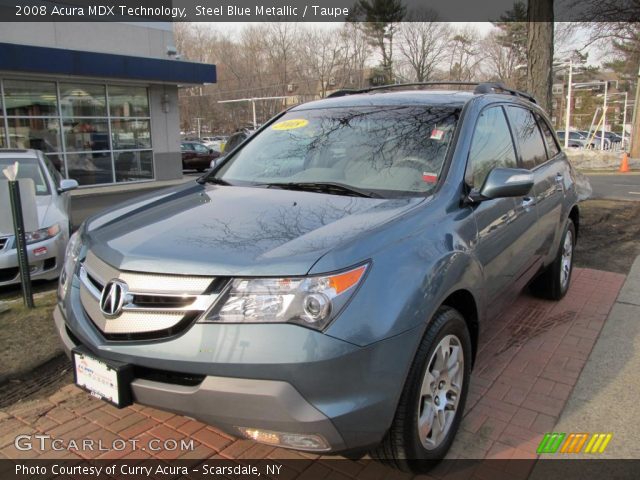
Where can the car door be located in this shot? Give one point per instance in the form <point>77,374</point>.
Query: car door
<point>544,162</point>
<point>531,153</point>
<point>556,174</point>
<point>498,233</point>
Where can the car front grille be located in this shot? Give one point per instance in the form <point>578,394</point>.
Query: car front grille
<point>155,306</point>
<point>7,274</point>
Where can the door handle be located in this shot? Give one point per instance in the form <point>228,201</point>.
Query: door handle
<point>559,178</point>
<point>528,202</point>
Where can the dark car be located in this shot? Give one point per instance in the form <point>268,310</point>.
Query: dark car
<point>327,285</point>
<point>197,156</point>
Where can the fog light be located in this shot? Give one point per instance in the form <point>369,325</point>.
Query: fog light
<point>300,441</point>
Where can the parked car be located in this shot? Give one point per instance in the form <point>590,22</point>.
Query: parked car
<point>595,139</point>
<point>46,245</point>
<point>576,139</point>
<point>197,156</point>
<point>334,275</point>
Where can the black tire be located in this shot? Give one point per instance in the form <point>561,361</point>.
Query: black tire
<point>549,283</point>
<point>402,447</point>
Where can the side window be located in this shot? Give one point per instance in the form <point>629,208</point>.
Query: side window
<point>491,146</point>
<point>200,148</point>
<point>552,146</point>
<point>528,137</point>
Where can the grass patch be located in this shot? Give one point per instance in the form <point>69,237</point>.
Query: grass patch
<point>28,337</point>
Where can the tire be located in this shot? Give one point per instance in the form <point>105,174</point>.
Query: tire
<point>553,283</point>
<point>402,446</point>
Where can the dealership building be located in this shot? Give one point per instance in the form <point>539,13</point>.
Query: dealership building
<point>99,99</point>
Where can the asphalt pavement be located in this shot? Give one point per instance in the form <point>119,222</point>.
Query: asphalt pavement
<point>623,186</point>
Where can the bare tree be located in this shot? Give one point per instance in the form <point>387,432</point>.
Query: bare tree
<point>540,51</point>
<point>322,58</point>
<point>464,50</point>
<point>423,42</point>
<point>357,53</point>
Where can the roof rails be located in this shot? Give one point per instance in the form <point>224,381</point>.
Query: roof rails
<point>480,88</point>
<point>342,93</point>
<point>497,87</point>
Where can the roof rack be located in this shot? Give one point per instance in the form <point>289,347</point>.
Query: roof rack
<point>348,91</point>
<point>497,87</point>
<point>480,88</point>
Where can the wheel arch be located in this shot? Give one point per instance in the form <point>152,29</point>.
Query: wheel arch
<point>574,215</point>
<point>464,302</point>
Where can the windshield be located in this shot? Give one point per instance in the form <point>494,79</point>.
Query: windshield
<point>386,150</point>
<point>28,168</point>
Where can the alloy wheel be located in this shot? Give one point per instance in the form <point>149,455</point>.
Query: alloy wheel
<point>440,392</point>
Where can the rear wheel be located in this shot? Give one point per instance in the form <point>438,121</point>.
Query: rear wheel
<point>554,282</point>
<point>433,399</point>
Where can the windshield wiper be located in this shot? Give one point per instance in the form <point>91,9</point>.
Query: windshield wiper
<point>323,187</point>
<point>213,180</point>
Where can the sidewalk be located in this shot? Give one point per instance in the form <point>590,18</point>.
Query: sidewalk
<point>605,399</point>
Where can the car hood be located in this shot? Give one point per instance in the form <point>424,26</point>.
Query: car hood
<point>224,230</point>
<point>43,206</point>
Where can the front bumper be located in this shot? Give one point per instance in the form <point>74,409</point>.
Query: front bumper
<point>45,266</point>
<point>275,377</point>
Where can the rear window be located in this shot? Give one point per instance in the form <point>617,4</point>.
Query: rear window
<point>552,146</point>
<point>528,136</point>
<point>386,150</point>
<point>28,168</point>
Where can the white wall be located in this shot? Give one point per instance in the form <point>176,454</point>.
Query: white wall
<point>144,40</point>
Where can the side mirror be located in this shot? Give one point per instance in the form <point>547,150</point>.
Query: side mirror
<point>503,182</point>
<point>67,184</point>
<point>211,151</point>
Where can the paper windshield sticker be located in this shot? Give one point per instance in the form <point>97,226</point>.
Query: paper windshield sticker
<point>290,124</point>
<point>429,177</point>
<point>437,134</point>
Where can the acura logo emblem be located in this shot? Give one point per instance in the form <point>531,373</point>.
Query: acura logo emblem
<point>113,297</point>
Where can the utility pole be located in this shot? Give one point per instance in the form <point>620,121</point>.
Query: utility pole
<point>604,114</point>
<point>568,113</point>
<point>635,128</point>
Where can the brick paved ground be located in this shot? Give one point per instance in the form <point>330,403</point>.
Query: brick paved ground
<point>528,362</point>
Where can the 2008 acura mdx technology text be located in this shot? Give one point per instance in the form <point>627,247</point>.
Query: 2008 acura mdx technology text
<point>324,288</point>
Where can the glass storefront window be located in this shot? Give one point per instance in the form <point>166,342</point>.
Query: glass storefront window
<point>130,134</point>
<point>85,134</point>
<point>128,101</point>
<point>71,123</point>
<point>82,100</point>
<point>56,160</point>
<point>90,168</point>
<point>38,133</point>
<point>29,98</point>
<point>133,166</point>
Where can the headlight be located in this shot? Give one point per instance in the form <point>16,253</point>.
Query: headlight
<point>42,234</point>
<point>70,259</point>
<point>309,301</point>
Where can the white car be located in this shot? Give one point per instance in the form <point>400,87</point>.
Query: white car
<point>46,245</point>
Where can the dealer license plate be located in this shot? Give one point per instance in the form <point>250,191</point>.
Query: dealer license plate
<point>103,379</point>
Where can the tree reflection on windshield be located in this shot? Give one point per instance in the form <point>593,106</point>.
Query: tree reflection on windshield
<point>388,150</point>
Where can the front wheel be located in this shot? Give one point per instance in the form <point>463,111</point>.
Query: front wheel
<point>433,399</point>
<point>553,283</point>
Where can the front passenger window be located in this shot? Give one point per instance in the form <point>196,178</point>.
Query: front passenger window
<point>491,146</point>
